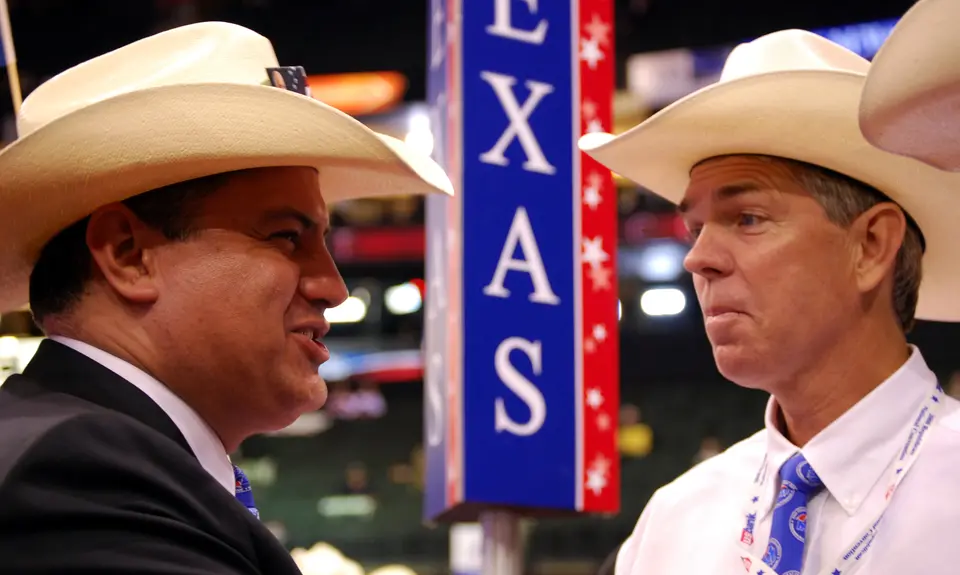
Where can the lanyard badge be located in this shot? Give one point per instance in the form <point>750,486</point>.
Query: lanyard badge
<point>854,553</point>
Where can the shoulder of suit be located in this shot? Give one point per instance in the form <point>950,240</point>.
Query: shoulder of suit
<point>737,465</point>
<point>58,430</point>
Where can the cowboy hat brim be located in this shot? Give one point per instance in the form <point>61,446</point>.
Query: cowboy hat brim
<point>810,116</point>
<point>135,142</point>
<point>911,97</point>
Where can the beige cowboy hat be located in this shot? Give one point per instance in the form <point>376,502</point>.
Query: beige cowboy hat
<point>796,95</point>
<point>185,103</point>
<point>911,100</point>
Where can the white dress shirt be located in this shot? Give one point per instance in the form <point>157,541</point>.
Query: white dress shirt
<point>694,524</point>
<point>206,445</point>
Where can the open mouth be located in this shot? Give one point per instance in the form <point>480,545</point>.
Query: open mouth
<point>310,339</point>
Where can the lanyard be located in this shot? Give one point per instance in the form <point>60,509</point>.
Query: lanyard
<point>853,554</point>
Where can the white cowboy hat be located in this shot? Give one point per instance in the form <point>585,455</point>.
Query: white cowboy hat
<point>911,100</point>
<point>185,103</point>
<point>793,94</point>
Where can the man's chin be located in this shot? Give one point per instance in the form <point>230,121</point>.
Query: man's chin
<point>305,393</point>
<point>739,365</point>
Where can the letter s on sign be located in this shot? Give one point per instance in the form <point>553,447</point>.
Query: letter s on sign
<point>520,385</point>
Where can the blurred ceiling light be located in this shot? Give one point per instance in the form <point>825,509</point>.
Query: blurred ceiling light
<point>661,261</point>
<point>353,310</point>
<point>9,346</point>
<point>662,301</point>
<point>419,137</point>
<point>362,294</point>
<point>403,299</point>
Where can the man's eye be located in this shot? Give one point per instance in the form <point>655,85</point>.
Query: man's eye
<point>749,219</point>
<point>291,236</point>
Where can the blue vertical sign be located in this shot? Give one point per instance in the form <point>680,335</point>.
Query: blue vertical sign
<point>518,301</point>
<point>506,259</point>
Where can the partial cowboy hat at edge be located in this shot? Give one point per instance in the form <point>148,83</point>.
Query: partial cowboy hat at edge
<point>911,99</point>
<point>182,104</point>
<point>793,94</point>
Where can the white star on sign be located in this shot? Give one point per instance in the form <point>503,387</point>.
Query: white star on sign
<point>591,197</point>
<point>451,33</point>
<point>590,52</point>
<point>594,398</point>
<point>438,52</point>
<point>589,109</point>
<point>589,345</point>
<point>603,422</point>
<point>598,30</point>
<point>600,278</point>
<point>594,126</point>
<point>595,180</point>
<point>601,464</point>
<point>593,253</point>
<point>436,288</point>
<point>599,332</point>
<point>596,481</point>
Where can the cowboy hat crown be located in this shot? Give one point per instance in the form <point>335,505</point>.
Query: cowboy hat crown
<point>912,93</point>
<point>792,94</point>
<point>205,53</point>
<point>789,51</point>
<point>182,104</point>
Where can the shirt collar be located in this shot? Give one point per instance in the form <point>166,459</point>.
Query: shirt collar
<point>870,434</point>
<point>204,442</point>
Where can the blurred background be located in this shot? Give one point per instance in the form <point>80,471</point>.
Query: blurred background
<point>351,474</point>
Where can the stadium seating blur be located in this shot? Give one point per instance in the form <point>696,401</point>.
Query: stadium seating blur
<point>357,484</point>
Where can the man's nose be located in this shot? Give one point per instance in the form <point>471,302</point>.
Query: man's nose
<point>707,257</point>
<point>323,286</point>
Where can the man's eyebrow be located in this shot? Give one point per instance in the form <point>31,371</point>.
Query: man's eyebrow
<point>725,193</point>
<point>306,221</point>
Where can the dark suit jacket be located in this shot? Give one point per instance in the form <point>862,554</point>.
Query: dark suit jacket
<point>96,479</point>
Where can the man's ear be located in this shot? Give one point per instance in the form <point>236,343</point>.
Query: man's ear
<point>118,242</point>
<point>880,232</point>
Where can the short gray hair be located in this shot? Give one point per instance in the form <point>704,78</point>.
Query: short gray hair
<point>844,199</point>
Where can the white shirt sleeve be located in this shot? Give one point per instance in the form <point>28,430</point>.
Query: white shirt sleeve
<point>631,547</point>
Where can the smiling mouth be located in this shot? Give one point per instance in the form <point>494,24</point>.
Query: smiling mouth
<point>311,341</point>
<point>309,333</point>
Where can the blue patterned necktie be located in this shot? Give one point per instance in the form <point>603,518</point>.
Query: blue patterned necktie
<point>798,483</point>
<point>244,494</point>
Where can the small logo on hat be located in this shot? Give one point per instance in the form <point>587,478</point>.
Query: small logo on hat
<point>292,78</point>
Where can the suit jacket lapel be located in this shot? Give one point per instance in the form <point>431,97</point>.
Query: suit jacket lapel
<point>58,368</point>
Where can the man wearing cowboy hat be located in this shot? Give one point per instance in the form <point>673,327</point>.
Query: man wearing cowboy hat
<point>909,103</point>
<point>806,258</point>
<point>164,212</point>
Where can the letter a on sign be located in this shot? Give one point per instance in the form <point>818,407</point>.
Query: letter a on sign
<point>522,233</point>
